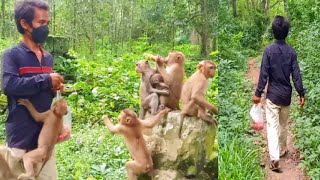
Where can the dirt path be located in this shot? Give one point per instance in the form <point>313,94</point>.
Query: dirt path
<point>289,164</point>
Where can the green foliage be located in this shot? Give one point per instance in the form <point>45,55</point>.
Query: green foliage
<point>238,157</point>
<point>92,153</point>
<point>305,39</point>
<point>239,37</point>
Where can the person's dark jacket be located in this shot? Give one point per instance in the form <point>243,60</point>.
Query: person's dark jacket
<point>279,61</point>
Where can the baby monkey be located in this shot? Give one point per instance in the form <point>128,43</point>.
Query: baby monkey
<point>131,127</point>
<point>157,82</point>
<point>52,126</point>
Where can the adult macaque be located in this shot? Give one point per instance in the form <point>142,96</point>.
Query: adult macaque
<point>5,171</point>
<point>131,127</point>
<point>173,76</point>
<point>193,98</point>
<point>52,127</point>
<point>149,96</point>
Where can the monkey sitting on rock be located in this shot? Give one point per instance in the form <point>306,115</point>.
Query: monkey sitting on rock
<point>152,88</point>
<point>193,98</point>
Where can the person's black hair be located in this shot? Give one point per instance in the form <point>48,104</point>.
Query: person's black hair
<point>280,27</point>
<point>25,10</point>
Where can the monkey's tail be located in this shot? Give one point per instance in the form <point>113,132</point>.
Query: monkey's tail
<point>181,124</point>
<point>43,164</point>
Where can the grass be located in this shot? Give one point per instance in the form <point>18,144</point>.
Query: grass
<point>92,152</point>
<point>238,157</point>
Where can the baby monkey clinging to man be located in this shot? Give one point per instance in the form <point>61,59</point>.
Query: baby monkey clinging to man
<point>52,126</point>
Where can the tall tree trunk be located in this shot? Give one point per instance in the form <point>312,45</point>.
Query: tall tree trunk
<point>3,18</point>
<point>234,8</point>
<point>204,44</point>
<point>74,24</point>
<point>286,6</point>
<point>173,30</point>
<point>204,31</point>
<point>92,33</point>
<point>214,43</point>
<point>265,5</point>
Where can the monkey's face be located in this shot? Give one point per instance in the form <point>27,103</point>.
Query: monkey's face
<point>207,68</point>
<point>127,119</point>
<point>175,57</point>
<point>60,107</point>
<point>210,70</point>
<point>156,79</point>
<point>142,66</point>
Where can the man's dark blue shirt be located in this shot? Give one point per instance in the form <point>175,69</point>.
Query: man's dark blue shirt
<point>279,61</point>
<point>23,76</point>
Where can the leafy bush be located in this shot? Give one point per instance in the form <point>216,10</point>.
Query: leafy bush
<point>305,39</point>
<point>92,153</point>
<point>238,156</point>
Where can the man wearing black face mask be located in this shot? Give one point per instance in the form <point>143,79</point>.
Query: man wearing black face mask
<point>27,73</point>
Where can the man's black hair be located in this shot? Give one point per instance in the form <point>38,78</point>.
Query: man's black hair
<point>280,27</point>
<point>25,10</point>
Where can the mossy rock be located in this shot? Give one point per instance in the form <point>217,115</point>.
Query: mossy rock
<point>188,157</point>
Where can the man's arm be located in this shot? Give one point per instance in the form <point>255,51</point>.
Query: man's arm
<point>296,76</point>
<point>15,85</point>
<point>264,74</point>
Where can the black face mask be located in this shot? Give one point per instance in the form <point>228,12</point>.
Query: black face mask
<point>40,34</point>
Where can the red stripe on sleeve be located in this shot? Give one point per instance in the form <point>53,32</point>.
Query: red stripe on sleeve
<point>43,69</point>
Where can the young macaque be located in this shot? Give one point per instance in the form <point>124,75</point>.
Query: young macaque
<point>52,127</point>
<point>149,96</point>
<point>173,76</point>
<point>131,127</point>
<point>157,82</point>
<point>193,98</point>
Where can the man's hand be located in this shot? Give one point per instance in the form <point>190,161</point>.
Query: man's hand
<point>256,99</point>
<point>65,135</point>
<point>301,101</point>
<point>57,80</point>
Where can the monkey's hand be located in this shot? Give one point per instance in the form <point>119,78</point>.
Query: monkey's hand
<point>105,119</point>
<point>165,111</point>
<point>164,92</point>
<point>215,122</point>
<point>24,102</point>
<point>214,110</point>
<point>159,60</point>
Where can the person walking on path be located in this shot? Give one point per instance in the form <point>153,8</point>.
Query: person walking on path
<point>279,62</point>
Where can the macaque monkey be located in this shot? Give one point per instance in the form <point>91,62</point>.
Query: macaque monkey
<point>52,127</point>
<point>173,76</point>
<point>157,82</point>
<point>131,127</point>
<point>149,96</point>
<point>193,98</point>
<point>5,171</point>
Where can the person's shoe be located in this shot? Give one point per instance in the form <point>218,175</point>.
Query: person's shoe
<point>274,165</point>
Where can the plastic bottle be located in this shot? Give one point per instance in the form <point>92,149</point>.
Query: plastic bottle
<point>149,56</point>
